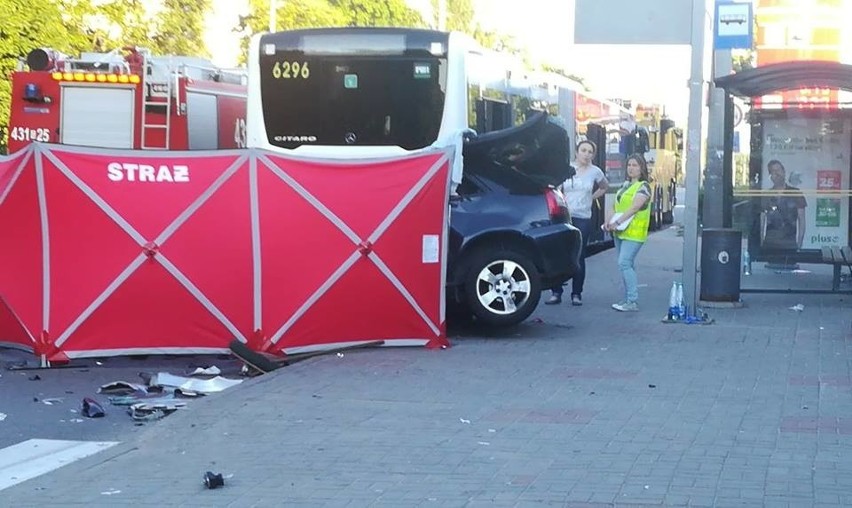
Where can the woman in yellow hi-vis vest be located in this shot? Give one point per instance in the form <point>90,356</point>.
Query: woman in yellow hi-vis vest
<point>629,226</point>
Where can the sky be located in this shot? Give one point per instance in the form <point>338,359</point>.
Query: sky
<point>656,74</point>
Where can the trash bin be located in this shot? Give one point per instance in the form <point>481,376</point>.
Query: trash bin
<point>720,264</point>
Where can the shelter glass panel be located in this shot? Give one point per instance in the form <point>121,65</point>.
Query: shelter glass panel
<point>795,208</point>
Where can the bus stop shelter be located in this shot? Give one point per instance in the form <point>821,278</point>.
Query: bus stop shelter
<point>794,210</point>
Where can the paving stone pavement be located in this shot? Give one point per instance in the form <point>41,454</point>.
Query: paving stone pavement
<point>577,407</point>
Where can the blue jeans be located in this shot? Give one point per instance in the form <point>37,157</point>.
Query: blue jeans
<point>627,250</point>
<point>585,227</point>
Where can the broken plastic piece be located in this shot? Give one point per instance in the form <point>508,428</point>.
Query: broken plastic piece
<point>798,307</point>
<point>145,416</point>
<point>217,384</point>
<point>92,409</point>
<point>212,481</point>
<point>209,371</point>
<point>123,388</point>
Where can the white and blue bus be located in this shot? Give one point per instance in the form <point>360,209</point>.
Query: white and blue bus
<point>351,92</point>
<point>373,92</point>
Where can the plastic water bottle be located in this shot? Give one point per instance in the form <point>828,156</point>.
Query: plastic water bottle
<point>681,310</point>
<point>674,311</point>
<point>746,263</point>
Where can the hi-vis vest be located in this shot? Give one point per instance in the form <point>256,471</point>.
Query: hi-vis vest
<point>637,230</point>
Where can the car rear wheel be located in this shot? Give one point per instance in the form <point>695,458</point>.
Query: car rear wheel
<point>502,288</point>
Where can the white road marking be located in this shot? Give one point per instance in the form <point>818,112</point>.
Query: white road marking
<point>35,457</point>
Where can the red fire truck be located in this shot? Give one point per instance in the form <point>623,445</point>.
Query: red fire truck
<point>127,98</point>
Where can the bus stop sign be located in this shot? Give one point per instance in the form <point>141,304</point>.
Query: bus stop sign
<point>734,27</point>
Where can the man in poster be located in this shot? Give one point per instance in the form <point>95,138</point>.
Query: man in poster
<point>783,214</point>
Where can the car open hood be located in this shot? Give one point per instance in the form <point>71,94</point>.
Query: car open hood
<point>537,149</point>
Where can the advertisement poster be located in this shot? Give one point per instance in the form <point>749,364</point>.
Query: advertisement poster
<point>805,183</point>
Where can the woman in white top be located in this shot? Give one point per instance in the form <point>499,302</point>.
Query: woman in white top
<point>581,190</point>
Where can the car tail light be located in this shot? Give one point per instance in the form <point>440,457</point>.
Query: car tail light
<point>556,207</point>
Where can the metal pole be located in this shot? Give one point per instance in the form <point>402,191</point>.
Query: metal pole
<point>713,208</point>
<point>694,139</point>
<point>273,15</point>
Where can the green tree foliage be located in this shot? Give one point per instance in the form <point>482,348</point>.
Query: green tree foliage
<point>459,15</point>
<point>117,23</point>
<point>378,13</point>
<point>181,28</point>
<point>295,14</point>
<point>29,24</point>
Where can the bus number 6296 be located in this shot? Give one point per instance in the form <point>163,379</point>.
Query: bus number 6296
<point>291,70</point>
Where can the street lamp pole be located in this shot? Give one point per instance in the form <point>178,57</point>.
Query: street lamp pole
<point>273,15</point>
<point>694,141</point>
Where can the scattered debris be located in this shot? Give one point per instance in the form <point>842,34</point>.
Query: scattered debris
<point>485,443</point>
<point>209,371</point>
<point>128,400</point>
<point>798,307</point>
<point>492,430</point>
<point>92,409</point>
<point>464,421</point>
<point>3,416</point>
<point>110,492</point>
<point>212,481</point>
<point>123,388</point>
<point>216,384</point>
<point>263,363</point>
<point>652,386</point>
<point>144,415</point>
<point>52,401</point>
<point>76,420</point>
<point>340,355</point>
<point>34,377</point>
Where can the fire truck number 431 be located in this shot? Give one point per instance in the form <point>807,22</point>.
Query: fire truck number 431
<point>30,134</point>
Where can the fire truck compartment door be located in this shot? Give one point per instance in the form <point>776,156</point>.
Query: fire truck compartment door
<point>202,121</point>
<point>97,116</point>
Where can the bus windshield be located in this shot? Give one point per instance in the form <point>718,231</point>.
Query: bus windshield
<point>321,89</point>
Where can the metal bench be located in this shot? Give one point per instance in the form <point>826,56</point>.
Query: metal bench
<point>837,256</point>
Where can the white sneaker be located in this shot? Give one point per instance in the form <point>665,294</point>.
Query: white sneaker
<point>626,307</point>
